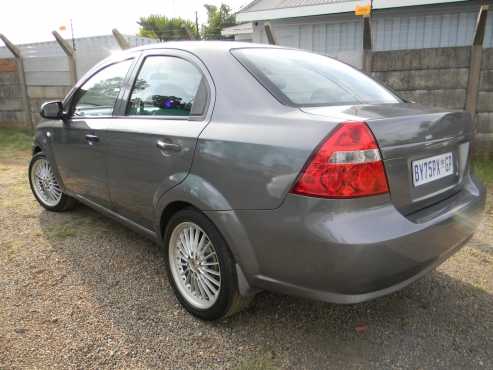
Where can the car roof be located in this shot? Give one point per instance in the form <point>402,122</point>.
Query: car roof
<point>201,46</point>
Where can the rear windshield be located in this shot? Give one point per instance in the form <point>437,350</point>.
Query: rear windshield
<point>303,79</point>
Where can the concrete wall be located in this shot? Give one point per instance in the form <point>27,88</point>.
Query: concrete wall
<point>11,109</point>
<point>430,76</point>
<point>485,99</point>
<point>47,78</point>
<point>439,77</point>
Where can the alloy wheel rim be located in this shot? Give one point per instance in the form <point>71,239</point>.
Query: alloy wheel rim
<point>195,265</point>
<point>45,184</point>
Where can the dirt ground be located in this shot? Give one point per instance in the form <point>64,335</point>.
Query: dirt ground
<point>80,291</point>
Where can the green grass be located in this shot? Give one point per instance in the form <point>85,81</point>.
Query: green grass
<point>61,231</point>
<point>15,139</point>
<point>483,168</point>
<point>263,361</point>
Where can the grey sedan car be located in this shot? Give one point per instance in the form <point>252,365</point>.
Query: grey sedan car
<point>262,168</point>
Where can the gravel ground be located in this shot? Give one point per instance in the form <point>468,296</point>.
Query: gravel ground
<point>80,291</point>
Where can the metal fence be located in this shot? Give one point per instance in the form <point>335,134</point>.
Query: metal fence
<point>46,70</point>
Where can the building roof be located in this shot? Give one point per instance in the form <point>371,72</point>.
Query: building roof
<point>277,9</point>
<point>239,29</point>
<point>279,4</point>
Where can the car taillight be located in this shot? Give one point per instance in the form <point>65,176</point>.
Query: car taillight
<point>348,164</point>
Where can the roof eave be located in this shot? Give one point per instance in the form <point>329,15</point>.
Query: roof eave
<point>301,11</point>
<point>239,29</point>
<point>343,7</point>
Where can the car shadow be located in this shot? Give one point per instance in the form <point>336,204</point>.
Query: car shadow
<point>437,322</point>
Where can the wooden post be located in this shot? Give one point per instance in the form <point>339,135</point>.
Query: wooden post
<point>70,53</point>
<point>270,34</point>
<point>26,102</point>
<point>120,39</point>
<point>367,45</point>
<point>475,63</point>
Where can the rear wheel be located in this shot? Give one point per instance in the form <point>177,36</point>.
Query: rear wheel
<point>200,267</point>
<point>45,186</point>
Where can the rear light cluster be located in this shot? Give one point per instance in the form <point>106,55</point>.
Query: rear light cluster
<point>347,165</point>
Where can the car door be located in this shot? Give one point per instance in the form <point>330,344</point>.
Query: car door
<point>78,146</point>
<point>151,144</point>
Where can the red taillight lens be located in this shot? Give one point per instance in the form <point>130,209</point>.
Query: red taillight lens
<point>347,165</point>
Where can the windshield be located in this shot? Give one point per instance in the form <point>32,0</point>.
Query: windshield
<point>301,78</point>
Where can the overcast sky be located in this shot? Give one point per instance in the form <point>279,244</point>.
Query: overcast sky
<point>24,21</point>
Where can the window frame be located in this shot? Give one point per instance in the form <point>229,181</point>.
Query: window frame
<point>69,103</point>
<point>170,53</point>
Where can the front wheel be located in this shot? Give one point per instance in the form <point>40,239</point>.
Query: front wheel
<point>45,187</point>
<point>200,267</point>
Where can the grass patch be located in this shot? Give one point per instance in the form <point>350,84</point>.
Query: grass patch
<point>61,232</point>
<point>14,139</point>
<point>260,362</point>
<point>483,168</point>
<point>75,225</point>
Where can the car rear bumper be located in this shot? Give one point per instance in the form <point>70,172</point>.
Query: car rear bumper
<point>349,251</point>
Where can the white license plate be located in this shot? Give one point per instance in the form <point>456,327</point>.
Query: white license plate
<point>433,168</point>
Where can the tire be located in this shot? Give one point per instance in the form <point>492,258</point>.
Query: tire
<point>227,300</point>
<point>60,203</point>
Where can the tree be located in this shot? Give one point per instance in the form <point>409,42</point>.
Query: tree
<point>167,29</point>
<point>217,19</point>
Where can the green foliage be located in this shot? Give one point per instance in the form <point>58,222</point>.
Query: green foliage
<point>167,29</point>
<point>483,168</point>
<point>217,19</point>
<point>260,361</point>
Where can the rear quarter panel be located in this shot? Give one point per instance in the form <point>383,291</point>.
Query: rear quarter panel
<point>253,162</point>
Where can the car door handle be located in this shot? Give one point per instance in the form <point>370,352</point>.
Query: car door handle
<point>92,138</point>
<point>168,147</point>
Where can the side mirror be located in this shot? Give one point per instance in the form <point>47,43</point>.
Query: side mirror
<point>52,110</point>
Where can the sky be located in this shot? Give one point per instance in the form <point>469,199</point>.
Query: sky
<point>25,21</point>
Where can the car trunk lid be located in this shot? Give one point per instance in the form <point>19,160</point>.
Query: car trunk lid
<point>410,134</point>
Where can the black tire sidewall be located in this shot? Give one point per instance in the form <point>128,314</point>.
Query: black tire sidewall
<point>228,288</point>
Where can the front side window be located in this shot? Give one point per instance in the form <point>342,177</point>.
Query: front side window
<point>167,86</point>
<point>301,78</point>
<point>97,96</point>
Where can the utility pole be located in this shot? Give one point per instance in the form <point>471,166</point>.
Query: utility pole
<point>197,25</point>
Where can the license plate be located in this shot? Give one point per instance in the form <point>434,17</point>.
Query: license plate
<point>433,168</point>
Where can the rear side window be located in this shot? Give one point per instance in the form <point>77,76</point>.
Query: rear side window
<point>167,86</point>
<point>97,96</point>
<point>299,78</point>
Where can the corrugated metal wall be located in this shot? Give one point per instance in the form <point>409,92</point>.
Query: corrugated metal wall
<point>425,31</point>
<point>341,35</point>
<point>341,40</point>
